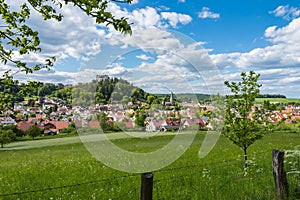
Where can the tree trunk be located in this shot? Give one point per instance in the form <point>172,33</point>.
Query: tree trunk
<point>245,158</point>
<point>2,145</point>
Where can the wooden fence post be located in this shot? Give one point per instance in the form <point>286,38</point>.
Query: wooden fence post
<point>281,184</point>
<point>146,186</point>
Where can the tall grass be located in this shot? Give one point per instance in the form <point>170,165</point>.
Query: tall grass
<point>68,171</point>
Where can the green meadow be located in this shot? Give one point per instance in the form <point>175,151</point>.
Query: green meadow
<point>63,169</point>
<point>278,100</point>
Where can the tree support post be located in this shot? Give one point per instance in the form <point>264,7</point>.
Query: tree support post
<point>146,186</point>
<point>281,184</point>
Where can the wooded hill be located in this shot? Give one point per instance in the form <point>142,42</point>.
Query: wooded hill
<point>102,90</point>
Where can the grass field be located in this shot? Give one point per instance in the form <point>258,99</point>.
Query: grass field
<point>279,100</point>
<point>64,169</point>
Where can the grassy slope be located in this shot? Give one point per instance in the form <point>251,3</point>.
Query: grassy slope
<point>70,164</point>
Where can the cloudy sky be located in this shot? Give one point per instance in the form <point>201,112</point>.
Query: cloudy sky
<point>177,45</point>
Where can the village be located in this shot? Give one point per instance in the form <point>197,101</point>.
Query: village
<point>53,116</point>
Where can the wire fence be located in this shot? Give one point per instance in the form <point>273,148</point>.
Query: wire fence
<point>108,188</point>
<point>217,180</point>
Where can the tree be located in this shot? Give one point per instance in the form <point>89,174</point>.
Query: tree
<point>34,131</point>
<point>140,117</point>
<point>150,98</point>
<point>17,38</point>
<point>15,129</point>
<point>267,105</point>
<point>103,121</point>
<point>244,124</point>
<point>6,136</point>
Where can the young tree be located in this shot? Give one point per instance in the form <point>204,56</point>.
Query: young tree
<point>244,124</point>
<point>6,136</point>
<point>34,131</point>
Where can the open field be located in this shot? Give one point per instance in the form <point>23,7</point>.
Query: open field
<point>66,170</point>
<point>278,100</point>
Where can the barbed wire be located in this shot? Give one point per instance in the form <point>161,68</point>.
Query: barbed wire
<point>68,186</point>
<point>217,165</point>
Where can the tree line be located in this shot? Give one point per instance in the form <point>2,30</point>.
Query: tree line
<point>271,96</point>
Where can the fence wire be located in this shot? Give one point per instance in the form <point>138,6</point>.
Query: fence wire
<point>97,188</point>
<point>200,181</point>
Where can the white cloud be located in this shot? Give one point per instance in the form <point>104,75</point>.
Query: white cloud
<point>284,51</point>
<point>286,12</point>
<point>206,13</point>
<point>184,69</point>
<point>181,1</point>
<point>162,8</point>
<point>145,17</point>
<point>149,27</point>
<point>47,76</point>
<point>114,70</point>
<point>135,1</point>
<point>175,18</point>
<point>150,39</point>
<point>76,36</point>
<point>79,37</point>
<point>150,17</point>
<point>143,57</point>
<point>277,63</point>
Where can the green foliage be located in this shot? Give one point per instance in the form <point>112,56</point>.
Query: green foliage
<point>18,38</point>
<point>190,97</point>
<point>268,106</point>
<point>139,94</point>
<point>18,132</point>
<point>34,131</point>
<point>140,119</point>
<point>9,93</point>
<point>103,122</point>
<point>71,129</point>
<point>6,136</point>
<point>271,96</point>
<point>151,98</point>
<point>105,91</point>
<point>64,94</point>
<point>243,126</point>
<point>292,167</point>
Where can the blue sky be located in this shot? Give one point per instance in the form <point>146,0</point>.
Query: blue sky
<point>178,45</point>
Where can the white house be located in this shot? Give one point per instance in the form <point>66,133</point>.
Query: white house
<point>8,121</point>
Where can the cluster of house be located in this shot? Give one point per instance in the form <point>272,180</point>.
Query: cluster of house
<point>62,115</point>
<point>157,120</point>
<point>51,122</point>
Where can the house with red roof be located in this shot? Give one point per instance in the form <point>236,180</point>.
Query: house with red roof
<point>53,127</point>
<point>24,126</point>
<point>93,124</point>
